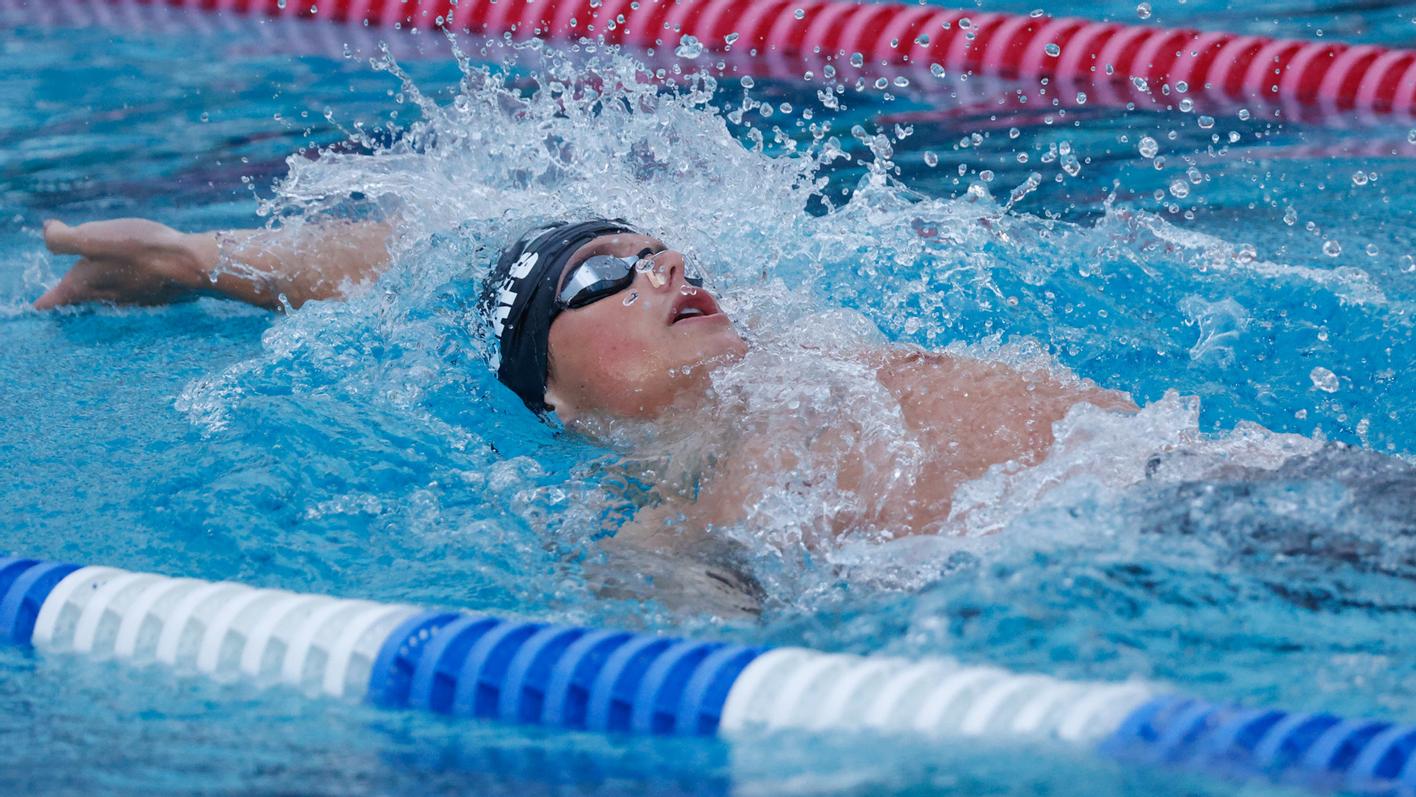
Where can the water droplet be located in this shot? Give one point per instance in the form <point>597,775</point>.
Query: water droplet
<point>882,83</point>
<point>731,38</point>
<point>1181,87</point>
<point>1071,165</point>
<point>1148,148</point>
<point>1052,49</point>
<point>1206,122</point>
<point>1371,250</point>
<point>1411,136</point>
<point>1233,137</point>
<point>1014,132</point>
<point>1143,10</point>
<point>1081,98</point>
<point>1187,105</point>
<point>828,71</point>
<point>857,60</point>
<point>986,175</point>
<point>1323,379</point>
<point>1036,13</point>
<point>965,23</point>
<point>1141,84</point>
<point>1290,216</point>
<point>1022,157</point>
<point>1359,178</point>
<point>922,39</point>
<point>936,70</point>
<point>1179,189</point>
<point>902,81</point>
<point>689,47</point>
<point>930,159</point>
<point>747,82</point>
<point>1332,248</point>
<point>800,13</point>
<point>1244,114</point>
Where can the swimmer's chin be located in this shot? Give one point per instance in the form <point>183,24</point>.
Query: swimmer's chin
<point>692,392</point>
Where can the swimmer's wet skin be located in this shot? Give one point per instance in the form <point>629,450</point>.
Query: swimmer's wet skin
<point>597,324</point>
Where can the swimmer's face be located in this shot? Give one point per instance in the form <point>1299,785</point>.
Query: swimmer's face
<point>633,353</point>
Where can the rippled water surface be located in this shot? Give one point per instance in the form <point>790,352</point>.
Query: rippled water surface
<point>1249,280</point>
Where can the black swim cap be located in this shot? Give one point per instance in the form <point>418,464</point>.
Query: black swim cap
<point>519,299</point>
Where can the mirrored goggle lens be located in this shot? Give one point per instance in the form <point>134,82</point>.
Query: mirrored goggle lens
<point>603,275</point>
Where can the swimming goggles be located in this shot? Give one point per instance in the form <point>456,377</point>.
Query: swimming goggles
<point>605,275</point>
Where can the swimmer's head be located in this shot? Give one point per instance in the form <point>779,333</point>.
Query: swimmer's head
<point>597,318</point>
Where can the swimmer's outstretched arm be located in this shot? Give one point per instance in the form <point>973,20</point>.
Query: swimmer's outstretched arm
<point>136,261</point>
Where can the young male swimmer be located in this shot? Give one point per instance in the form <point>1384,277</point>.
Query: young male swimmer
<point>602,326</point>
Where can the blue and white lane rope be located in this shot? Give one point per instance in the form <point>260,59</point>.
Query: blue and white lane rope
<point>617,681</point>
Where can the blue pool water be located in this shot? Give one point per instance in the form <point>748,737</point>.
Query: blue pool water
<point>1251,282</point>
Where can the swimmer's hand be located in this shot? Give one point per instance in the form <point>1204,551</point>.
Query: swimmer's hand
<point>127,261</point>
<point>136,261</point>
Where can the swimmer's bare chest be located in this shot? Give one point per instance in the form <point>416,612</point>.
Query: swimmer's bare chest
<point>963,416</point>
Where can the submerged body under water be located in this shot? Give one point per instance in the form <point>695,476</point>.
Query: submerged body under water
<point>1246,535</point>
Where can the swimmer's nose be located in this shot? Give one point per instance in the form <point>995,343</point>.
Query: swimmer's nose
<point>665,271</point>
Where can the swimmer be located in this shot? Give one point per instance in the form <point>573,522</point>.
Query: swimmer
<point>571,345</point>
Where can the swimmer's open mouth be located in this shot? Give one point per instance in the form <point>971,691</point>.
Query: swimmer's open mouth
<point>697,304</point>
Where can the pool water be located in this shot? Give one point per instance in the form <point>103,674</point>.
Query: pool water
<point>1249,280</point>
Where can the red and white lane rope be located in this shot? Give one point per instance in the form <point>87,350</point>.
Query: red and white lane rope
<point>1331,75</point>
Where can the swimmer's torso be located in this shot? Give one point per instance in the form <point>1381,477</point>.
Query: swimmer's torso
<point>868,444</point>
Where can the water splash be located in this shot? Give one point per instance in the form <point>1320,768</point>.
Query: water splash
<point>545,134</point>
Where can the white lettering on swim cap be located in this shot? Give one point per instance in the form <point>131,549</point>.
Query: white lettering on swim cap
<point>524,264</point>
<point>506,293</point>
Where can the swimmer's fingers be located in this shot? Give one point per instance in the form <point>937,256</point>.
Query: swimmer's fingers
<point>108,239</point>
<point>60,238</point>
<point>72,289</point>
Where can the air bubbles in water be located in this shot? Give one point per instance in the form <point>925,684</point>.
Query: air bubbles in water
<point>857,60</point>
<point>1323,379</point>
<point>732,38</point>
<point>1148,147</point>
<point>1359,178</point>
<point>1143,10</point>
<point>1290,216</point>
<point>1052,49</point>
<point>1332,248</point>
<point>1206,122</point>
<point>799,14</point>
